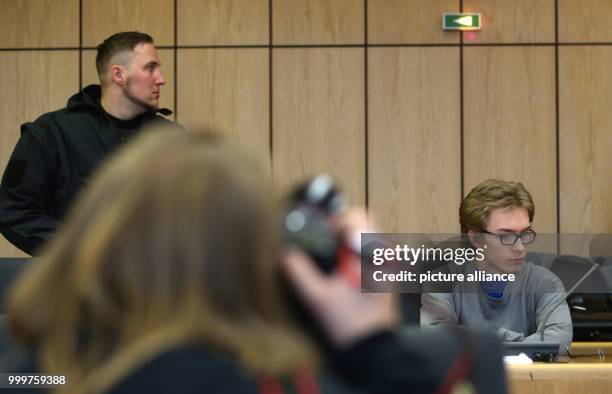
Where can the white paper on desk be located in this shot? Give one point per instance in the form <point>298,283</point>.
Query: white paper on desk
<point>520,359</point>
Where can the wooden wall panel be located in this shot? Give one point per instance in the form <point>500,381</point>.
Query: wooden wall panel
<point>104,18</point>
<point>513,21</point>
<point>318,21</point>
<point>227,90</point>
<point>166,56</point>
<point>585,139</point>
<point>318,116</point>
<point>414,175</point>
<point>585,21</point>
<point>509,122</point>
<point>223,22</point>
<point>33,82</point>
<point>39,23</point>
<point>413,22</point>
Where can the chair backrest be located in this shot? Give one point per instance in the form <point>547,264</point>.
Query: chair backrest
<point>571,268</point>
<point>541,258</point>
<point>606,271</point>
<point>593,296</point>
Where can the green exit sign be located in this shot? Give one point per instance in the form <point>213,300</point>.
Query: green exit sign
<point>461,21</point>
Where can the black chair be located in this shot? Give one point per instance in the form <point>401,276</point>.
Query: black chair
<point>591,303</point>
<point>571,268</point>
<point>541,258</point>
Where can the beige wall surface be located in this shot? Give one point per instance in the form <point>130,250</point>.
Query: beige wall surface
<point>414,167</point>
<point>318,117</point>
<point>509,122</point>
<point>406,116</point>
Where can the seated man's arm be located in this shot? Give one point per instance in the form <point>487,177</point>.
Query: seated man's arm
<point>438,309</point>
<point>506,335</point>
<point>26,191</point>
<point>558,328</point>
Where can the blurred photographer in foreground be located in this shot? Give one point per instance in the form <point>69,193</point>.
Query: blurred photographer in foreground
<point>166,279</point>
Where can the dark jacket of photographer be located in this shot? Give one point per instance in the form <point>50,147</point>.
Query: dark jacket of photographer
<point>53,159</point>
<point>382,363</point>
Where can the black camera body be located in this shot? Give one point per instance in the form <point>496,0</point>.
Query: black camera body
<point>306,221</point>
<point>306,225</point>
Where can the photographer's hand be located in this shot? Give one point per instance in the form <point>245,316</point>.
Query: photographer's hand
<point>345,313</point>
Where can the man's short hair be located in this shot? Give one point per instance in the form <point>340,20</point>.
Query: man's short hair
<point>117,43</point>
<point>490,194</point>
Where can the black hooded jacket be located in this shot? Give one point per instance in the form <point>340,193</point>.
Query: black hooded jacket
<point>54,157</point>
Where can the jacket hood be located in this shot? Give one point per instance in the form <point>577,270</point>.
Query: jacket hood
<point>90,96</point>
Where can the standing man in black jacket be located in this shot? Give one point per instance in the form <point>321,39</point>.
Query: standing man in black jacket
<point>56,154</point>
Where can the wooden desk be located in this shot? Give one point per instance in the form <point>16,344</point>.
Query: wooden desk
<point>588,374</point>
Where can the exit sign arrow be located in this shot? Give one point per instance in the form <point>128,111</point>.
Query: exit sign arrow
<point>461,21</point>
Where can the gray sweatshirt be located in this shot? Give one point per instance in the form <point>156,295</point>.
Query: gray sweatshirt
<point>515,317</point>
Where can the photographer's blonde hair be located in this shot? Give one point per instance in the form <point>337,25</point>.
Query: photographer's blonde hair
<point>173,244</point>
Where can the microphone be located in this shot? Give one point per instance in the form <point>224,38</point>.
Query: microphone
<point>599,248</point>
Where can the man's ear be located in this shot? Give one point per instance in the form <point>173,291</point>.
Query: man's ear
<point>476,239</point>
<point>118,74</point>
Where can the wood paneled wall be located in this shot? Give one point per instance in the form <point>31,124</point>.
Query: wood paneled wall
<point>406,116</point>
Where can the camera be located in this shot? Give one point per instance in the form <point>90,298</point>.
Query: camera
<point>306,221</point>
<point>306,225</point>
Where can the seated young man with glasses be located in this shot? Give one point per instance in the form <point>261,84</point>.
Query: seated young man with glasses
<point>496,216</point>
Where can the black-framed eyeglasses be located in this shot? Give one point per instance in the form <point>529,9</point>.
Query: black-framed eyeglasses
<point>527,237</point>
